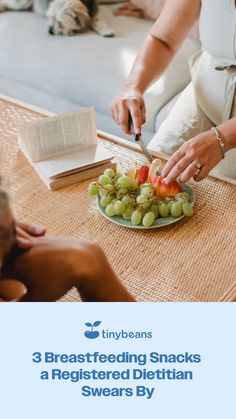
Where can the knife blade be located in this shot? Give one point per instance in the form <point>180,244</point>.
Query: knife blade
<point>139,140</point>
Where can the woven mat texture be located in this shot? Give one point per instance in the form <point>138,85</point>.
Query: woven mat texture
<point>193,260</point>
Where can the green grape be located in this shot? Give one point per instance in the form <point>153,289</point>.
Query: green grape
<point>147,192</point>
<point>93,189</point>
<point>122,192</point>
<point>109,187</point>
<point>180,200</point>
<point>146,205</point>
<point>109,172</point>
<point>127,199</point>
<point>128,213</point>
<point>187,209</point>
<point>176,210</point>
<point>155,210</point>
<point>148,219</point>
<point>105,200</point>
<point>136,218</point>
<point>183,195</point>
<point>169,205</point>
<point>164,210</point>
<point>124,182</point>
<point>110,210</point>
<point>141,199</point>
<point>146,185</point>
<point>103,192</point>
<point>104,180</point>
<point>133,184</point>
<point>119,207</point>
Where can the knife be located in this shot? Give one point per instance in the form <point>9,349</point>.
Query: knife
<point>138,139</point>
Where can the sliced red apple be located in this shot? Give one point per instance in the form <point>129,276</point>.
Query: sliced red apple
<point>142,174</point>
<point>132,171</point>
<point>154,168</point>
<point>163,190</point>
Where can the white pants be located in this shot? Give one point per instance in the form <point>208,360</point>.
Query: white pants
<point>185,121</point>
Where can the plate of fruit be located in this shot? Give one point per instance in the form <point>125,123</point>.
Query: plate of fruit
<point>139,197</point>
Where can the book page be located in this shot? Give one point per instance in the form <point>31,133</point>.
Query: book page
<point>53,136</point>
<point>76,160</point>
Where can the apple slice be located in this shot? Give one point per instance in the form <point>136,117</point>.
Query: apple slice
<point>132,171</point>
<point>154,168</point>
<point>162,190</point>
<point>142,174</point>
<point>119,170</point>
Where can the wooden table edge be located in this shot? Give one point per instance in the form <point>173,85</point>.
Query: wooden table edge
<point>105,135</point>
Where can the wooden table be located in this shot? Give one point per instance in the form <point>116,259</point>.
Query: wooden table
<point>193,260</point>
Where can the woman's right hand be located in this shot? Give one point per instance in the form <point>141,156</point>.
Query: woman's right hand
<point>129,106</point>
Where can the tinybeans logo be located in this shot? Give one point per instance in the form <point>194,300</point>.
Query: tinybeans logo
<point>114,334</point>
<point>92,334</point>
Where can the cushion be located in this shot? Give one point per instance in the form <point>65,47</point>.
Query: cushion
<point>151,8</point>
<point>110,1</point>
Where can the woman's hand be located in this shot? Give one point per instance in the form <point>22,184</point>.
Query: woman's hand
<point>196,158</point>
<point>26,232</point>
<point>129,106</point>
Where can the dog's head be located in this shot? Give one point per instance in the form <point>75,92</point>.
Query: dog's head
<point>67,17</point>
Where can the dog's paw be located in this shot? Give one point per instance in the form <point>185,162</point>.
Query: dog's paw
<point>108,33</point>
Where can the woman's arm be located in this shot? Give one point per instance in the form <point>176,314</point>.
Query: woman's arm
<point>159,48</point>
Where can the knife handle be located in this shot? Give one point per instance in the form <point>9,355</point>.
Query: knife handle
<point>131,127</point>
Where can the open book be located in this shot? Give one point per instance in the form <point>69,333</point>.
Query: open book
<point>64,150</point>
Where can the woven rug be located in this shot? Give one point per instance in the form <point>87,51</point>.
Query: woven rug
<point>193,260</point>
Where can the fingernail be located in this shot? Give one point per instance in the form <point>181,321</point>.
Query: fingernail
<point>24,244</point>
<point>38,229</point>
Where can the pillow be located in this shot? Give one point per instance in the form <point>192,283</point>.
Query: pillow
<point>110,1</point>
<point>151,8</point>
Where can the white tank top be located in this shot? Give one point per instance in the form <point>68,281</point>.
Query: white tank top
<point>215,89</point>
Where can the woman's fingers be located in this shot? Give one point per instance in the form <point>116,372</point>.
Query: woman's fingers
<point>25,234</point>
<point>176,169</point>
<point>124,117</point>
<point>189,172</point>
<point>143,113</point>
<point>115,113</point>
<point>124,108</point>
<point>136,117</point>
<point>172,162</point>
<point>32,230</point>
<point>20,233</point>
<point>202,174</point>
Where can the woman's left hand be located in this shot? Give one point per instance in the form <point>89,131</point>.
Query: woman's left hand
<point>196,158</point>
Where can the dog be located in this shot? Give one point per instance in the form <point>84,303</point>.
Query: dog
<point>65,17</point>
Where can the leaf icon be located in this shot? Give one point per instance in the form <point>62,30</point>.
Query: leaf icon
<point>88,324</point>
<point>95,324</point>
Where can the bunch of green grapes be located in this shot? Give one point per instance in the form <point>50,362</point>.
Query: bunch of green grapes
<point>121,196</point>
